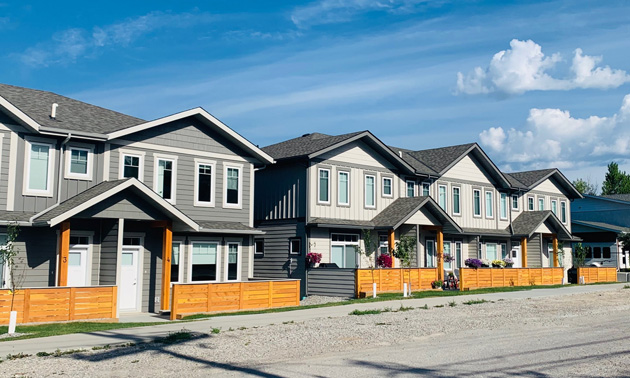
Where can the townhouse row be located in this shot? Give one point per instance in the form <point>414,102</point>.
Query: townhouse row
<point>102,198</point>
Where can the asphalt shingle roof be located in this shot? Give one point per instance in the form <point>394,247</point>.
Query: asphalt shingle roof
<point>397,210</point>
<point>72,114</point>
<point>341,222</point>
<point>305,145</point>
<point>439,159</point>
<point>528,221</point>
<point>528,178</point>
<point>15,216</point>
<point>603,225</point>
<point>486,231</point>
<point>416,164</point>
<point>207,226</point>
<point>618,197</point>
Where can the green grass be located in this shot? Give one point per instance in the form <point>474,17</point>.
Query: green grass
<point>367,312</point>
<point>475,301</point>
<point>626,286</point>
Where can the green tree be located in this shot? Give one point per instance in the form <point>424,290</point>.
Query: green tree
<point>579,255</point>
<point>616,181</point>
<point>624,239</point>
<point>585,186</point>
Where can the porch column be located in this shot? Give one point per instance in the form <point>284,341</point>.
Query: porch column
<point>167,249</point>
<point>555,251</point>
<point>391,244</point>
<point>524,252</point>
<point>64,252</point>
<point>440,254</point>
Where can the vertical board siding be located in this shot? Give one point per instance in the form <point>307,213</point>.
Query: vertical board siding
<point>37,256</point>
<point>4,168</point>
<point>534,251</point>
<point>392,279</point>
<point>489,277</point>
<point>594,275</point>
<point>280,192</point>
<point>331,282</point>
<point>109,252</point>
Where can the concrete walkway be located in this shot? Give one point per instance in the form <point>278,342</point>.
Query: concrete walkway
<point>149,333</point>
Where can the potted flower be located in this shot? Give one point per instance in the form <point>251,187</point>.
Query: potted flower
<point>437,284</point>
<point>485,263</point>
<point>384,261</point>
<point>498,264</point>
<point>473,263</point>
<point>448,258</point>
<point>313,258</point>
<point>508,262</point>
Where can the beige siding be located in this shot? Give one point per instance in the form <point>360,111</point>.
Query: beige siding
<point>357,153</point>
<point>467,169</point>
<point>319,242</point>
<point>549,186</point>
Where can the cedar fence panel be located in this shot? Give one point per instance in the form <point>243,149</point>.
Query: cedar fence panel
<point>593,275</point>
<point>392,279</point>
<point>470,278</point>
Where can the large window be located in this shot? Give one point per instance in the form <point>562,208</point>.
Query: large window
<point>530,203</point>
<point>370,191</point>
<point>344,248</point>
<point>456,200</point>
<point>387,187</point>
<point>554,207</point>
<point>165,178</point>
<point>425,189</point>
<point>442,196</point>
<point>477,202</point>
<point>489,205</point>
<point>411,188</point>
<point>131,166</point>
<point>232,262</point>
<point>232,191</point>
<point>563,212</point>
<point>343,190</point>
<point>176,255</point>
<point>541,204</point>
<point>79,163</point>
<point>323,186</point>
<point>491,251</point>
<point>205,259</point>
<point>503,205</point>
<point>39,175</point>
<point>204,183</point>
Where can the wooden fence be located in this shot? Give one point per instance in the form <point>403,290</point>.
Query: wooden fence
<point>593,275</point>
<point>190,299</point>
<point>55,304</point>
<point>470,278</point>
<point>392,279</point>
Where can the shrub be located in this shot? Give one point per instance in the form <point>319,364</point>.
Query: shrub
<point>313,258</point>
<point>384,261</point>
<point>473,263</point>
<point>436,284</point>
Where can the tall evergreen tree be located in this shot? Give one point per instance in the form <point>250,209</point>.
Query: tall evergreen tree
<point>616,181</point>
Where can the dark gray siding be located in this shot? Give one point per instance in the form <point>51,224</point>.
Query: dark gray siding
<point>534,252</point>
<point>331,282</point>
<point>126,205</point>
<point>93,228</point>
<point>4,168</point>
<point>281,192</point>
<point>109,252</point>
<point>72,187</point>
<point>37,256</point>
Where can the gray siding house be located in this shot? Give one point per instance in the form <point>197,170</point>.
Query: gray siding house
<point>103,198</point>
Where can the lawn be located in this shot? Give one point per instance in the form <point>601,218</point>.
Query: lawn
<point>54,329</point>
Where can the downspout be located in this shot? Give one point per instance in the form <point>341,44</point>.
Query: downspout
<point>60,166</point>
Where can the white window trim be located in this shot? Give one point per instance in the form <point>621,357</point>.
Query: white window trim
<point>459,199</point>
<point>374,190</point>
<point>533,203</point>
<point>213,192</point>
<point>481,201</point>
<point>430,259</point>
<point>507,198</point>
<point>347,173</point>
<point>319,185</point>
<point>290,245</point>
<point>485,200</point>
<point>345,243</point>
<point>182,252</point>
<point>543,203</point>
<point>238,205</point>
<point>391,187</point>
<point>566,212</point>
<point>427,183</point>
<point>90,159</point>
<point>239,261</point>
<point>121,163</point>
<point>445,196</point>
<point>556,203</point>
<point>512,202</point>
<point>458,245</point>
<point>189,263</point>
<point>27,169</point>
<point>88,257</point>
<point>255,251</point>
<point>406,187</point>
<point>172,159</point>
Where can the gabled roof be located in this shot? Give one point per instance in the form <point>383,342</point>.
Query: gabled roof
<point>399,211</point>
<point>618,197</point>
<point>601,226</point>
<point>528,222</point>
<point>528,180</point>
<point>228,228</point>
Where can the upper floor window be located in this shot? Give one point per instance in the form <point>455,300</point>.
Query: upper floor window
<point>541,204</point>
<point>489,205</point>
<point>425,189</point>
<point>164,181</point>
<point>323,186</point>
<point>554,206</point>
<point>530,203</point>
<point>79,163</point>
<point>442,196</point>
<point>232,187</point>
<point>514,202</point>
<point>477,202</point>
<point>204,183</point>
<point>131,166</point>
<point>387,187</point>
<point>343,188</point>
<point>370,191</point>
<point>40,158</point>
<point>503,205</point>
<point>411,188</point>
<point>563,212</point>
<point>456,201</point>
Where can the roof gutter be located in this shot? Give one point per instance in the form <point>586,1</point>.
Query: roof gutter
<point>45,130</point>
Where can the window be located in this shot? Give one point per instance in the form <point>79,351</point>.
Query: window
<point>131,241</point>
<point>541,204</point>
<point>447,251</point>
<point>477,202</point>
<point>458,254</point>
<point>164,179</point>
<point>563,212</point>
<point>232,187</point>
<point>343,251</point>
<point>40,158</point>
<point>530,203</point>
<point>588,252</point>
<point>430,257</point>
<point>295,246</point>
<point>370,191</point>
<point>442,196</point>
<point>489,205</point>
<point>79,163</point>
<point>232,262</point>
<point>606,252</point>
<point>4,269</point>
<point>597,252</point>
<point>74,240</point>
<point>456,201</point>
<point>343,189</point>
<point>514,202</point>
<point>324,186</point>
<point>554,207</point>
<point>383,245</point>
<point>204,183</point>
<point>176,262</point>
<point>387,187</point>
<point>411,188</point>
<point>425,189</point>
<point>491,251</point>
<point>259,246</point>
<point>503,205</point>
<point>504,251</point>
<point>205,259</point>
<point>131,166</point>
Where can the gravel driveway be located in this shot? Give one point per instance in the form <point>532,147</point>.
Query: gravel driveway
<point>270,350</point>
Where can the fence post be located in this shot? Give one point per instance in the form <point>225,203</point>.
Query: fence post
<point>240,297</point>
<point>270,294</point>
<point>461,279</point>
<point>27,306</point>
<point>114,301</point>
<point>297,292</point>
<point>174,301</point>
<point>209,300</point>
<point>72,303</point>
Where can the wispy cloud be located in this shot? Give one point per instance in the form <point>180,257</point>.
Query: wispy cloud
<point>69,45</point>
<point>524,67</point>
<point>336,11</point>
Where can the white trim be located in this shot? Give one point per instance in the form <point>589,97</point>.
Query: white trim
<point>106,161</point>
<point>1,145</point>
<point>89,257</point>
<point>183,151</point>
<point>90,159</point>
<point>263,241</point>
<point>27,168</point>
<point>291,244</point>
<point>566,212</point>
<point>250,259</point>
<point>501,194</point>
<point>238,167</point>
<point>213,175</point>
<point>459,199</point>
<point>445,208</point>
<point>18,113</point>
<point>485,198</point>
<point>119,244</point>
<point>543,202</point>
<point>207,116</point>
<point>121,162</point>
<point>481,199</point>
<point>512,202</point>
<point>172,159</point>
<point>13,152</point>
<point>181,243</point>
<point>391,186</point>
<point>407,182</point>
<point>239,260</point>
<point>250,194</point>
<point>365,191</point>
<point>428,183</point>
<point>319,186</point>
<point>533,207</point>
<point>347,173</point>
<point>189,262</point>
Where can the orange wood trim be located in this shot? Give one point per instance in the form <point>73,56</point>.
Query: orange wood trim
<point>27,306</point>
<point>72,303</point>
<point>270,294</point>
<point>440,254</point>
<point>209,301</point>
<point>175,300</point>
<point>391,244</point>
<point>240,297</point>
<point>64,252</point>
<point>555,251</point>
<point>114,301</point>
<point>524,252</point>
<point>167,250</point>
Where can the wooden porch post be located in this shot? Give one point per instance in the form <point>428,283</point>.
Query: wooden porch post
<point>555,251</point>
<point>391,244</point>
<point>167,250</point>
<point>440,254</point>
<point>524,252</point>
<point>64,252</point>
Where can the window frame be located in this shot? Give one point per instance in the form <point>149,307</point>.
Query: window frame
<point>365,191</point>
<point>391,187</point>
<point>240,169</point>
<point>428,187</point>
<point>486,192</point>
<point>531,206</point>
<point>239,260</point>
<point>427,257</point>
<point>339,173</point>
<point>554,204</point>
<point>291,252</point>
<point>68,163</point>
<point>496,250</point>
<point>256,251</point>
<point>319,186</point>
<point>459,199</point>
<point>512,198</point>
<point>503,205</point>
<point>475,215</point>
<point>345,244</point>
<point>407,182</point>
<point>189,263</point>
<point>213,175</point>
<point>156,162</point>
<point>121,163</point>
<point>27,171</point>
<point>445,187</point>
<point>181,261</point>
<point>563,212</point>
<point>541,198</point>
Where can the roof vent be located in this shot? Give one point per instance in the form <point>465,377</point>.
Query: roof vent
<point>53,111</point>
<point>400,154</point>
<point>305,135</point>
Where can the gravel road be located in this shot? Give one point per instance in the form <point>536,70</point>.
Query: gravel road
<point>571,335</point>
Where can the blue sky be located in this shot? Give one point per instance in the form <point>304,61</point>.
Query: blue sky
<point>537,84</point>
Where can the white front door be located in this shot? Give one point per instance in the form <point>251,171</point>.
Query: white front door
<point>129,279</point>
<point>515,255</point>
<point>77,265</point>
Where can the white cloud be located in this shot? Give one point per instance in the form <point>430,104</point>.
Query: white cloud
<point>69,45</point>
<point>552,137</point>
<point>524,67</point>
